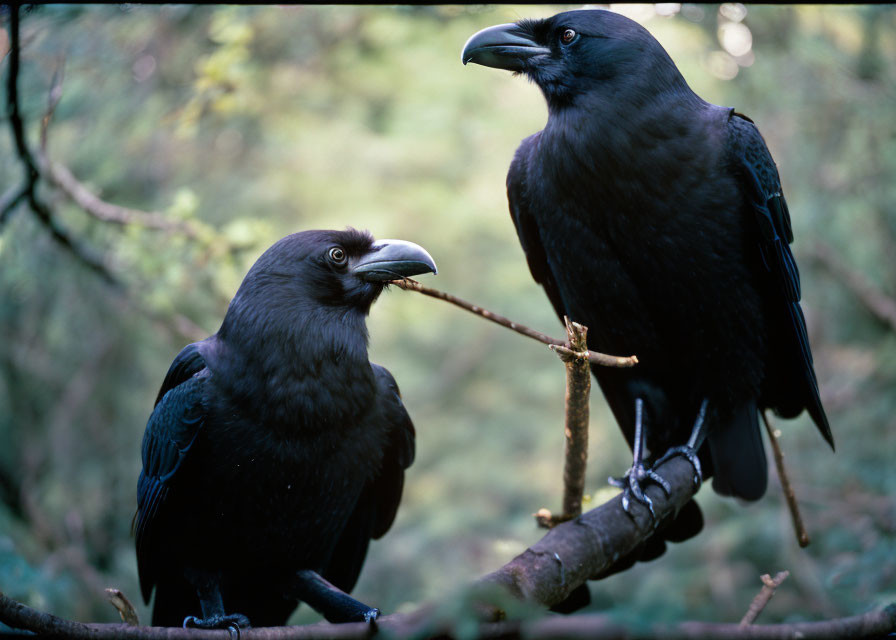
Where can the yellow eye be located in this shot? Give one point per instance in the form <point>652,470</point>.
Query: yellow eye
<point>337,255</point>
<point>567,36</point>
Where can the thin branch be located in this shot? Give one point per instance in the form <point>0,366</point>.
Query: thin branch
<point>802,536</point>
<point>876,301</point>
<point>593,357</point>
<point>762,598</point>
<point>578,389</point>
<point>61,177</point>
<point>41,211</point>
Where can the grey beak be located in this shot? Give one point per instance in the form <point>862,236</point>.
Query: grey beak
<point>504,46</point>
<point>392,260</point>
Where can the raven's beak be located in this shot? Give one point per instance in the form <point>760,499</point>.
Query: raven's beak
<point>504,46</point>
<point>393,260</point>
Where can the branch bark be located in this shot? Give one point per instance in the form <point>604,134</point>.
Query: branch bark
<point>578,390</point>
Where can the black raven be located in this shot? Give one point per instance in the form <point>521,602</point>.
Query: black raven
<point>276,450</point>
<point>657,220</point>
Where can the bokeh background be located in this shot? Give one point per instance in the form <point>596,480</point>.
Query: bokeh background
<point>248,123</point>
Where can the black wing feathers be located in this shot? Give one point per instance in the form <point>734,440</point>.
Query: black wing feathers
<point>526,227</point>
<point>763,188</point>
<point>170,434</point>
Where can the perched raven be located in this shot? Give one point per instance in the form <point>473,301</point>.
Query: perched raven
<point>276,450</point>
<point>657,220</point>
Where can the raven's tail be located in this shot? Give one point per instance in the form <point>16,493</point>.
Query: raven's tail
<point>739,466</point>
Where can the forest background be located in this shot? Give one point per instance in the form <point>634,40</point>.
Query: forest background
<point>242,124</point>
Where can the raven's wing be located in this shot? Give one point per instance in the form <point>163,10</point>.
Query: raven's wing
<point>519,197</point>
<point>378,501</point>
<point>170,433</point>
<point>762,186</point>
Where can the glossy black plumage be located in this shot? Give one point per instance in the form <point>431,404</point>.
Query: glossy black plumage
<point>657,220</point>
<point>275,445</point>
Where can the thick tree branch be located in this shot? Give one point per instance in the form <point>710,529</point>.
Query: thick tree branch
<point>594,357</point>
<point>587,546</point>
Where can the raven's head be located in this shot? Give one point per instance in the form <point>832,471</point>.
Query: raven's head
<point>315,272</point>
<point>589,51</point>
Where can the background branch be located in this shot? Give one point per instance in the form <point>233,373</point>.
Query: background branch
<point>876,301</point>
<point>41,211</point>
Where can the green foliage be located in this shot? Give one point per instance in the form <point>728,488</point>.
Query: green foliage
<point>254,122</point>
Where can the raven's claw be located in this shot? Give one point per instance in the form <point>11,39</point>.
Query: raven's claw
<point>633,484</point>
<point>691,455</point>
<point>232,622</point>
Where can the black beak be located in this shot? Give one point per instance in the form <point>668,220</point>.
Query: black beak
<point>504,46</point>
<point>393,260</point>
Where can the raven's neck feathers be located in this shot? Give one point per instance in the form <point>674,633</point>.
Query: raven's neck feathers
<point>296,364</point>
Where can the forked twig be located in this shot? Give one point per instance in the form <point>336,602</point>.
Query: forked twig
<point>594,357</point>
<point>765,594</point>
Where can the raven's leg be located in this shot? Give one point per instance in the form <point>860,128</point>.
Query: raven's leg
<point>689,450</point>
<point>208,588</point>
<point>331,602</point>
<point>634,480</point>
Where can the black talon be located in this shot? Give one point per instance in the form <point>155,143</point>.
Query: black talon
<point>632,483</point>
<point>233,623</point>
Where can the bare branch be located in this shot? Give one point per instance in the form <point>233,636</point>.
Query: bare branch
<point>61,177</point>
<point>578,389</point>
<point>802,536</point>
<point>876,301</point>
<point>41,211</point>
<point>593,357</point>
<point>874,624</point>
<point>765,594</point>
<point>590,545</point>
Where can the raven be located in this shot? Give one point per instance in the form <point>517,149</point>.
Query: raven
<point>657,220</point>
<point>276,451</point>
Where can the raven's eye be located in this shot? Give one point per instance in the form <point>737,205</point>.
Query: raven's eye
<point>567,36</point>
<point>337,255</point>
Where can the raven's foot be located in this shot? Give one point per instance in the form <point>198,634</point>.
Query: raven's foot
<point>691,455</point>
<point>232,622</point>
<point>635,479</point>
<point>633,484</point>
<point>689,450</point>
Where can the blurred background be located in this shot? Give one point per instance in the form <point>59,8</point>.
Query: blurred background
<point>238,125</point>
